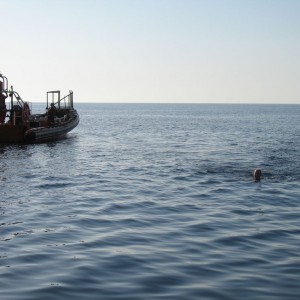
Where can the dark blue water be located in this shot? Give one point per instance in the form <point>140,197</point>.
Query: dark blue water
<point>155,202</point>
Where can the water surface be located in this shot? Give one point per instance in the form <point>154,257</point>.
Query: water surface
<point>147,201</point>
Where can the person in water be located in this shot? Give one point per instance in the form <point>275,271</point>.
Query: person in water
<point>257,174</point>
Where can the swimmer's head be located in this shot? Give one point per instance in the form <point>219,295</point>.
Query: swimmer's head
<point>257,174</point>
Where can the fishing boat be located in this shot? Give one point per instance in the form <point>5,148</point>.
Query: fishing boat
<point>19,125</point>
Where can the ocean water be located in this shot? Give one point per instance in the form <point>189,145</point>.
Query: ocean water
<point>155,201</point>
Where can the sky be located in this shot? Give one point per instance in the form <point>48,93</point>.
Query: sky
<point>157,51</point>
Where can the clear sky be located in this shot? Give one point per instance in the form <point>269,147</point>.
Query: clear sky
<point>204,51</point>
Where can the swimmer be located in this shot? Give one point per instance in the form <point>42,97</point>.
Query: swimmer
<point>257,174</point>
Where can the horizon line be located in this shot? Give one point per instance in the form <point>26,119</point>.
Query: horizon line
<point>196,103</point>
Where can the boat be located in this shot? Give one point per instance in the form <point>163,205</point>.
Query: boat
<point>19,125</point>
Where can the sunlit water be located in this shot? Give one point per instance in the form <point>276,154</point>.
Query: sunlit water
<point>155,202</point>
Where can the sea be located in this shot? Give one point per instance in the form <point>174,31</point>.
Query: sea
<point>155,201</point>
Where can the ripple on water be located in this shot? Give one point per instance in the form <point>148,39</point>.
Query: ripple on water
<point>156,202</point>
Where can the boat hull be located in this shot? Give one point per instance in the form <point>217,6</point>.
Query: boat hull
<point>21,134</point>
<point>11,134</point>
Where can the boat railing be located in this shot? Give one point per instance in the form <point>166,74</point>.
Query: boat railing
<point>18,98</point>
<point>65,102</point>
<point>68,100</point>
<point>16,104</point>
<point>3,84</point>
